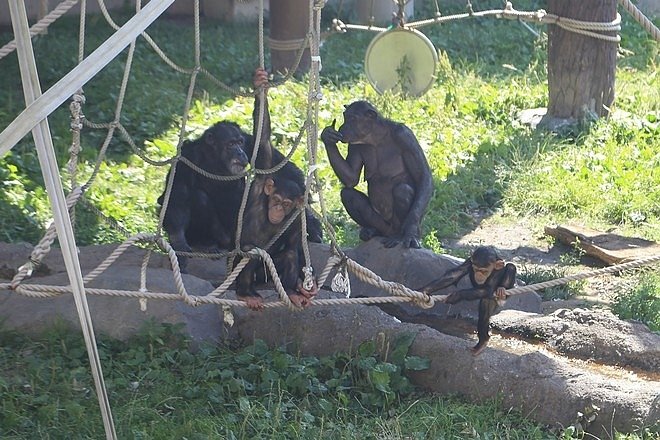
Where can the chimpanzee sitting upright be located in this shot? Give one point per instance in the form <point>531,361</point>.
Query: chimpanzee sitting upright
<point>273,199</point>
<point>490,277</point>
<point>203,211</point>
<point>399,182</point>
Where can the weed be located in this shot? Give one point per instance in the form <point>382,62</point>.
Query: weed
<point>642,302</point>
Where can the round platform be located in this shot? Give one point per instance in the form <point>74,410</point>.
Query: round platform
<point>401,59</point>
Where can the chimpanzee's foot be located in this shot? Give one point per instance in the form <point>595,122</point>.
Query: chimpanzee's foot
<point>367,234</point>
<point>477,349</point>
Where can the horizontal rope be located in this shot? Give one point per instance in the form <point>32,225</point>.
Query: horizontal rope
<point>46,291</point>
<point>586,28</point>
<point>294,44</point>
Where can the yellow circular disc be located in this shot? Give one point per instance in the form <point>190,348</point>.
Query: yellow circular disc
<point>401,59</point>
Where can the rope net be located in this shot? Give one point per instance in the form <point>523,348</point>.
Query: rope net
<point>308,128</point>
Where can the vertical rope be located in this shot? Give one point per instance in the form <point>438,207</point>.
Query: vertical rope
<point>184,121</point>
<point>257,141</point>
<point>77,100</point>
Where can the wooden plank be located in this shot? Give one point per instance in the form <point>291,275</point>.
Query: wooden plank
<point>605,246</point>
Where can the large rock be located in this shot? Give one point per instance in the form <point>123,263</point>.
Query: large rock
<point>116,316</point>
<point>544,385</point>
<point>548,388</point>
<point>588,334</point>
<point>414,268</point>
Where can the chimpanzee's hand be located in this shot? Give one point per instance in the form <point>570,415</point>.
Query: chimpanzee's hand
<point>410,241</point>
<point>309,294</point>
<point>260,78</point>
<point>452,298</point>
<point>330,136</point>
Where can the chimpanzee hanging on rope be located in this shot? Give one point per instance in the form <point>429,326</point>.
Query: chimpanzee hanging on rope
<point>490,277</point>
<point>273,200</point>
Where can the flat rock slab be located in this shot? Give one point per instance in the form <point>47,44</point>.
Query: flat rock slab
<point>607,247</point>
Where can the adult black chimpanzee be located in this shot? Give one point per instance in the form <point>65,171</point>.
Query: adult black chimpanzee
<point>399,182</point>
<point>273,199</point>
<point>490,277</point>
<point>203,211</point>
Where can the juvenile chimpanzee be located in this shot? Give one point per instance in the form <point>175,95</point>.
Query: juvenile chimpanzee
<point>272,200</point>
<point>203,211</point>
<point>399,182</point>
<point>490,277</point>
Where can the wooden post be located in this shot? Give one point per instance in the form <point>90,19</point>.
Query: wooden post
<point>581,69</point>
<point>289,24</point>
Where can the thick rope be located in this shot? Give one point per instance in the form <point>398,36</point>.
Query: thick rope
<point>587,28</point>
<point>46,291</point>
<point>641,19</point>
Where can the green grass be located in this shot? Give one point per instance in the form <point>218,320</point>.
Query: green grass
<point>641,302</point>
<point>160,389</point>
<point>607,175</point>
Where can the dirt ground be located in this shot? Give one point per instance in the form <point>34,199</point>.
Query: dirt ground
<point>525,244</point>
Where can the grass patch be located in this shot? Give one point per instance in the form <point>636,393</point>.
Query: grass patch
<point>606,176</point>
<point>160,389</point>
<point>641,302</point>
<point>540,274</point>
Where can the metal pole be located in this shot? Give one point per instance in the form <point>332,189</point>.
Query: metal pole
<point>50,171</point>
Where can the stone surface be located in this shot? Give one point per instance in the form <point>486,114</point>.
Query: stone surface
<point>588,334</point>
<point>117,317</point>
<point>415,268</point>
<point>549,388</point>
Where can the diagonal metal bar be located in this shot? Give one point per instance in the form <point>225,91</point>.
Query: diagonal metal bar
<point>50,172</point>
<point>61,91</point>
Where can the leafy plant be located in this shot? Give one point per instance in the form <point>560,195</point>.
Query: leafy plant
<point>160,388</point>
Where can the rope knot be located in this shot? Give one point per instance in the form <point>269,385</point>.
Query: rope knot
<point>425,301</point>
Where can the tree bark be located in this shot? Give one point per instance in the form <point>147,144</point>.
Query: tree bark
<point>289,22</point>
<point>581,69</point>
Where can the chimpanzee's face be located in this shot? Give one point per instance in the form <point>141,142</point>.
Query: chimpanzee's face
<point>281,200</point>
<point>358,126</point>
<point>226,148</point>
<point>481,274</point>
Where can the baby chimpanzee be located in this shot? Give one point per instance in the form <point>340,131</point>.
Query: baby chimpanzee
<point>490,277</point>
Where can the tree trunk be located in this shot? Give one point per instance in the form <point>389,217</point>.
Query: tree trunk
<point>580,68</point>
<point>289,23</point>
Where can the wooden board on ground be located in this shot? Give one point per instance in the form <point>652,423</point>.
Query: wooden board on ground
<point>608,247</point>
